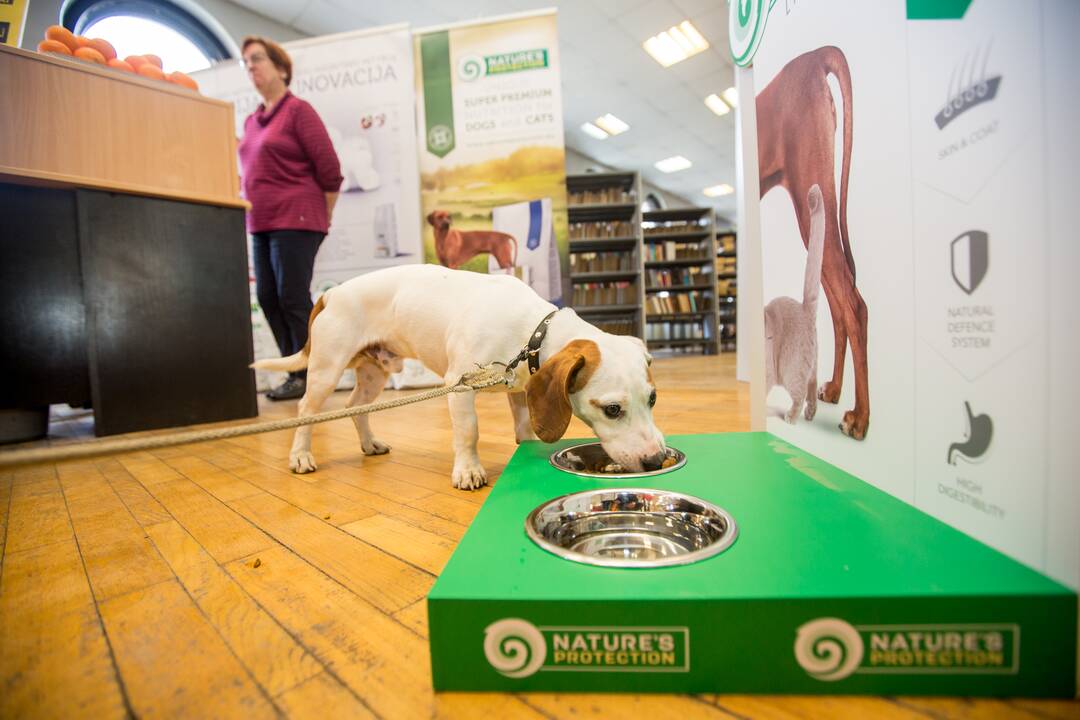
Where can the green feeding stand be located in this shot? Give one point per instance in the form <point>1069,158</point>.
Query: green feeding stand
<point>830,586</point>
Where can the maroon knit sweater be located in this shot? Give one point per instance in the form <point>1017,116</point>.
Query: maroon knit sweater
<point>287,164</point>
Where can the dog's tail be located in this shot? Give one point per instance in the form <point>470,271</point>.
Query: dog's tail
<point>299,360</point>
<point>836,63</point>
<point>815,249</point>
<point>296,361</point>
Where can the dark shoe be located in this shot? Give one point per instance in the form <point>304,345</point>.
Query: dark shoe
<point>289,390</point>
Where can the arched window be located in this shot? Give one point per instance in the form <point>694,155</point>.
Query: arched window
<point>180,32</point>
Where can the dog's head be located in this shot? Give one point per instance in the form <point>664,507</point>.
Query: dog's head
<point>606,382</point>
<point>439,219</point>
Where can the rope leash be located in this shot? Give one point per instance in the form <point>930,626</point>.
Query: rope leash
<point>479,379</point>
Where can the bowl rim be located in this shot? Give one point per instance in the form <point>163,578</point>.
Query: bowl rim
<point>726,541</point>
<point>680,462</point>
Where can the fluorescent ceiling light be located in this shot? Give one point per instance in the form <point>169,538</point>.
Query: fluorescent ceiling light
<point>717,105</point>
<point>593,131</point>
<point>675,44</point>
<point>611,124</point>
<point>673,164</point>
<point>731,97</point>
<point>718,190</point>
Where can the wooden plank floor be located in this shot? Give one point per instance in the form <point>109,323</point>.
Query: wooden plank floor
<point>208,581</point>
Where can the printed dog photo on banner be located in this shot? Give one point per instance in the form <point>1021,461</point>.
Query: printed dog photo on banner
<point>492,155</point>
<point>826,93</point>
<point>796,129</point>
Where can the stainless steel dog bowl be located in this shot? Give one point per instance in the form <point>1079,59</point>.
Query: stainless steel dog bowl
<point>631,528</point>
<point>583,459</point>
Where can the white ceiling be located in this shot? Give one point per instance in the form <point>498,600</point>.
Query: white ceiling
<point>604,69</point>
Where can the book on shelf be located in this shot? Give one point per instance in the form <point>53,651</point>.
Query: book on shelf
<point>613,195</point>
<point>591,294</point>
<point>591,262</point>
<point>725,265</point>
<point>668,277</point>
<point>677,330</point>
<point>676,250</point>
<point>677,302</point>
<point>601,229</point>
<point>674,227</point>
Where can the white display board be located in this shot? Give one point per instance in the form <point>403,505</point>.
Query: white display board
<point>961,219</point>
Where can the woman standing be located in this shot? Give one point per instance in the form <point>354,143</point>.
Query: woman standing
<point>291,176</point>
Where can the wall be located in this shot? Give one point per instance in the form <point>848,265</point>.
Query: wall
<point>239,21</point>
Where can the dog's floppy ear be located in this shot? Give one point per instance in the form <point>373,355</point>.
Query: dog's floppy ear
<point>431,217</point>
<point>547,393</point>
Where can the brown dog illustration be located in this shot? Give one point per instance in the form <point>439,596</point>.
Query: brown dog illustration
<point>457,247</point>
<point>796,121</point>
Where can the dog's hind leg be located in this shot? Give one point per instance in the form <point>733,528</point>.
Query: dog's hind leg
<point>857,420</point>
<point>830,391</point>
<point>324,371</point>
<point>370,380</point>
<point>522,427</point>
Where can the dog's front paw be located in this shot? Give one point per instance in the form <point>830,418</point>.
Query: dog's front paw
<point>374,447</point>
<point>469,476</point>
<point>302,462</point>
<point>829,392</point>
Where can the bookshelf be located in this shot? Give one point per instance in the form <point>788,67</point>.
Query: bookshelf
<point>606,271</point>
<point>679,254</point>
<point>726,288</point>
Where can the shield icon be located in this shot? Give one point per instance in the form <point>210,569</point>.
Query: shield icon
<point>970,259</point>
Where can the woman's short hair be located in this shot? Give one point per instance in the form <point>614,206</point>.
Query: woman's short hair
<point>275,52</point>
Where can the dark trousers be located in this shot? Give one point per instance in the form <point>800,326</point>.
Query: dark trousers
<point>284,260</point>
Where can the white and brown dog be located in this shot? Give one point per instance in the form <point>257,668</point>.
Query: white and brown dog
<point>452,320</point>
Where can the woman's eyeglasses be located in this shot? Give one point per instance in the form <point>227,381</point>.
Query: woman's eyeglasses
<point>253,59</point>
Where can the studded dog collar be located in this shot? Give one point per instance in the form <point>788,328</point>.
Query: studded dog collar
<point>531,351</point>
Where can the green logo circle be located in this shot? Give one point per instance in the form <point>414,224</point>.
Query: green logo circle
<point>440,137</point>
<point>470,68</point>
<point>746,27</point>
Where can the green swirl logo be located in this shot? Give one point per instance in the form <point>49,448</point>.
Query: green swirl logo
<point>470,68</point>
<point>828,649</point>
<point>514,647</point>
<point>746,27</point>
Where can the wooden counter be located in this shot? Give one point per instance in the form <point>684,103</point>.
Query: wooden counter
<point>76,124</point>
<point>123,254</point>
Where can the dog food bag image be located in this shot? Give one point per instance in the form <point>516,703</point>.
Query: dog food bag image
<point>537,256</point>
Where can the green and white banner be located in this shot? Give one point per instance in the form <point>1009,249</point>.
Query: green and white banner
<point>492,159</point>
<point>937,359</point>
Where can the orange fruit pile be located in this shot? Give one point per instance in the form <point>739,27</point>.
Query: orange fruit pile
<point>61,41</point>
